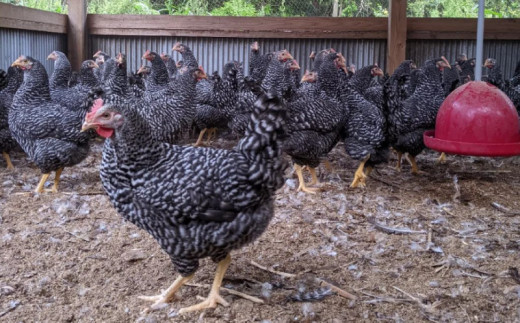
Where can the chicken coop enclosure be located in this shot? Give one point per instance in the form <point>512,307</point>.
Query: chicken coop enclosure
<point>217,40</point>
<point>349,234</point>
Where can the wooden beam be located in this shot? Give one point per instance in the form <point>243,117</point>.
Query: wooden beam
<point>462,28</point>
<point>396,34</point>
<point>240,27</point>
<point>77,33</point>
<point>17,17</point>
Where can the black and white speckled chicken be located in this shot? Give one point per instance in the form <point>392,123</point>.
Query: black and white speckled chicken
<point>408,119</point>
<point>170,112</point>
<point>212,114</point>
<point>100,59</point>
<point>115,80</point>
<point>315,124</point>
<point>61,93</point>
<point>279,78</point>
<point>14,79</point>
<point>451,79</point>
<point>467,70</point>
<point>329,77</point>
<point>196,202</point>
<point>171,66</point>
<point>188,59</point>
<point>510,87</point>
<point>48,132</point>
<point>158,79</point>
<point>366,131</point>
<point>137,81</point>
<point>258,63</point>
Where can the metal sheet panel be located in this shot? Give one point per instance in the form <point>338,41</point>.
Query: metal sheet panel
<point>506,52</point>
<point>39,45</point>
<point>213,53</point>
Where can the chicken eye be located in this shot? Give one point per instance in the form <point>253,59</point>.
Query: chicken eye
<point>105,115</point>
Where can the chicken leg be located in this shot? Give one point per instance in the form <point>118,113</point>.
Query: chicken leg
<point>201,135</point>
<point>7,160</point>
<point>211,133</point>
<point>214,297</point>
<point>167,295</point>
<point>359,175</point>
<point>327,165</point>
<point>314,177</point>
<point>368,170</point>
<point>39,188</point>
<point>54,188</point>
<point>442,159</point>
<point>415,168</point>
<point>302,186</point>
<point>399,157</point>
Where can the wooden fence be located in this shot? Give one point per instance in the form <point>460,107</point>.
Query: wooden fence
<point>397,29</point>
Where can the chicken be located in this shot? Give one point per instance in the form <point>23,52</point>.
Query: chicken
<point>101,57</point>
<point>315,125</point>
<point>14,79</point>
<point>279,77</point>
<point>171,66</point>
<point>408,119</point>
<point>115,80</point>
<point>365,132</point>
<point>3,79</point>
<point>196,202</point>
<point>60,91</point>
<point>48,132</point>
<point>510,87</point>
<point>188,59</point>
<point>137,81</point>
<point>258,63</point>
<point>158,78</point>
<point>211,115</point>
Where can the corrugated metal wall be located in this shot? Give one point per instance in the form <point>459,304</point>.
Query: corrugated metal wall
<point>506,52</point>
<point>213,53</point>
<point>14,42</point>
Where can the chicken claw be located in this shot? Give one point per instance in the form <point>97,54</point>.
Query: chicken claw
<point>302,187</point>
<point>214,297</point>
<point>442,159</point>
<point>8,160</point>
<point>167,295</point>
<point>359,175</point>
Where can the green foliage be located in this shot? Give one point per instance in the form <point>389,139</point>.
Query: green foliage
<point>133,7</point>
<point>58,6</point>
<point>286,8</point>
<point>235,8</point>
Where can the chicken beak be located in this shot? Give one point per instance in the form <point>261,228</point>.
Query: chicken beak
<point>52,56</point>
<point>255,46</point>
<point>176,47</point>
<point>487,63</point>
<point>86,126</point>
<point>141,70</point>
<point>312,55</point>
<point>94,65</point>
<point>446,62</point>
<point>18,62</point>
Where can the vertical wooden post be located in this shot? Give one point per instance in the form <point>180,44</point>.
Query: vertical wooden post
<point>396,52</point>
<point>77,33</point>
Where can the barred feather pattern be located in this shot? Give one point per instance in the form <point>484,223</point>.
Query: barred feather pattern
<point>158,78</point>
<point>311,296</point>
<point>196,202</point>
<point>48,132</point>
<point>417,114</point>
<point>366,126</point>
<point>258,65</point>
<point>3,79</point>
<point>14,79</point>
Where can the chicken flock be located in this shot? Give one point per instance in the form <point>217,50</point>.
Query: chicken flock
<point>198,201</point>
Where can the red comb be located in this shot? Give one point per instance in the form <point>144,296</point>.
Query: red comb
<point>98,103</point>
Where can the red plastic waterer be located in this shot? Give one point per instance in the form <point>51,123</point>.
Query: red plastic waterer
<point>476,119</point>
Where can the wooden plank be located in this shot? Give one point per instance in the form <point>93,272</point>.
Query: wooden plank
<point>462,28</point>
<point>17,17</point>
<point>77,33</point>
<point>241,27</point>
<point>397,27</point>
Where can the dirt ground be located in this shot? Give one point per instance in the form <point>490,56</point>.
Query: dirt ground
<point>69,257</point>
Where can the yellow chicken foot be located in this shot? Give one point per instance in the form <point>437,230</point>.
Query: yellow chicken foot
<point>302,186</point>
<point>214,297</point>
<point>415,169</point>
<point>201,135</point>
<point>54,188</point>
<point>211,133</point>
<point>7,160</point>
<point>39,188</point>
<point>359,175</point>
<point>442,159</point>
<point>314,178</point>
<point>399,157</point>
<point>167,295</point>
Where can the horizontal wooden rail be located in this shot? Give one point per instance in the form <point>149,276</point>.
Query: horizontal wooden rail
<point>31,19</point>
<point>298,27</point>
<point>241,27</point>
<point>462,28</point>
